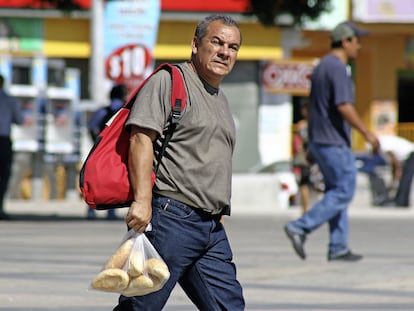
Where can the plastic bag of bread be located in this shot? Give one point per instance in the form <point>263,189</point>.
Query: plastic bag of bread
<point>134,269</point>
<point>113,277</point>
<point>146,269</point>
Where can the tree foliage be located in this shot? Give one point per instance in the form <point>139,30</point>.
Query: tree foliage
<point>269,11</point>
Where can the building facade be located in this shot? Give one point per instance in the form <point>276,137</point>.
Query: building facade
<point>383,72</point>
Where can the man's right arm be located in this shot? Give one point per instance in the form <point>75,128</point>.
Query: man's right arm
<point>349,113</point>
<point>140,166</point>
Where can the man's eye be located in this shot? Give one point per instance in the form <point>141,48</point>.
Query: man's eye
<point>235,48</point>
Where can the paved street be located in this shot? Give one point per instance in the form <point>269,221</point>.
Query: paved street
<point>50,253</point>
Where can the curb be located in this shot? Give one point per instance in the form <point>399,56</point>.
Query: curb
<point>77,208</point>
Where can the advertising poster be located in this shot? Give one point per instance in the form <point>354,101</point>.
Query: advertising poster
<point>384,117</point>
<point>384,11</point>
<point>130,33</point>
<point>288,76</point>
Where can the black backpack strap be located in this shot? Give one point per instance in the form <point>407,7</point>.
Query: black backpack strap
<point>167,138</point>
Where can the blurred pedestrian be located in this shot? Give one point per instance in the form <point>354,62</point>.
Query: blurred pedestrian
<point>301,165</point>
<point>9,113</point>
<point>96,124</point>
<point>401,154</point>
<point>397,153</point>
<point>331,116</point>
<point>370,164</point>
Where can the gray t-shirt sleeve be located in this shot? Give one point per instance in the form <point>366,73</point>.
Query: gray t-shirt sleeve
<point>152,106</point>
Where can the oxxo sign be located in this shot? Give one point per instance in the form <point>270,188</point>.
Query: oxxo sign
<point>128,64</point>
<point>292,77</point>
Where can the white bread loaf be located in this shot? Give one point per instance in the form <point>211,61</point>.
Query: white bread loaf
<point>136,264</point>
<point>119,258</point>
<point>158,269</point>
<point>111,280</point>
<point>139,286</point>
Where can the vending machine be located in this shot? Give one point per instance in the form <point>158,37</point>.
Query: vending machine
<point>48,93</point>
<point>59,121</point>
<point>62,125</point>
<point>25,137</point>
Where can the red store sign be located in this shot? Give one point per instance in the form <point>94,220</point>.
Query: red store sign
<point>129,64</point>
<point>237,6</point>
<point>287,76</point>
<point>40,4</point>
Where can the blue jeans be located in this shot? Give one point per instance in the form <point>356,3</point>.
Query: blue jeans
<point>195,247</point>
<point>337,165</point>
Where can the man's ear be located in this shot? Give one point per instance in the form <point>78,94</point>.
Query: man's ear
<point>194,45</point>
<point>344,42</point>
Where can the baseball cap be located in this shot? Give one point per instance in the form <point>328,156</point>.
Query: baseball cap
<point>346,30</point>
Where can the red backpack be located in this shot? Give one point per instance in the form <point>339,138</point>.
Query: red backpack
<point>103,179</point>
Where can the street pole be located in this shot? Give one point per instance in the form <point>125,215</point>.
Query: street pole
<point>97,61</point>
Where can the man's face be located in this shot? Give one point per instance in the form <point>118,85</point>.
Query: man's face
<point>352,47</point>
<point>216,53</point>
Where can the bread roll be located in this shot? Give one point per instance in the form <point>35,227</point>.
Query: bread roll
<point>139,286</point>
<point>136,264</point>
<point>158,269</point>
<point>111,280</point>
<point>119,258</point>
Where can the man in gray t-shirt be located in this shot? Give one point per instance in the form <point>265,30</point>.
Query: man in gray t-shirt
<point>331,116</point>
<point>192,190</point>
<point>206,133</point>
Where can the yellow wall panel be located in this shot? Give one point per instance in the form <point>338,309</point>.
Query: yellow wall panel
<point>67,38</point>
<point>67,49</point>
<point>174,41</point>
<point>66,29</point>
<point>71,38</point>
<point>182,52</point>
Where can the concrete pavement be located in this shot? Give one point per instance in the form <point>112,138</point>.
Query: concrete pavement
<point>50,253</point>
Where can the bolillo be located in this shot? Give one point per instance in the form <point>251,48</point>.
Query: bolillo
<point>111,280</point>
<point>139,286</point>
<point>158,269</point>
<point>136,264</point>
<point>119,258</point>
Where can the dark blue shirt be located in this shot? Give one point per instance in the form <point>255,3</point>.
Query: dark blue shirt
<point>97,117</point>
<point>95,125</point>
<point>9,113</point>
<point>331,85</point>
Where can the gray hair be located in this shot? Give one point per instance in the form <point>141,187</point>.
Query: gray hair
<point>201,29</point>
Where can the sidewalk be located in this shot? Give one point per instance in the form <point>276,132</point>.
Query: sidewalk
<point>76,208</point>
<point>252,194</point>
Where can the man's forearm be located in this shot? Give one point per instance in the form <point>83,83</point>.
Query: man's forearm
<point>140,163</point>
<point>351,116</point>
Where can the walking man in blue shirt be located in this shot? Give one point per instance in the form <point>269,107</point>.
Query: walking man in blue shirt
<point>9,113</point>
<point>332,114</point>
